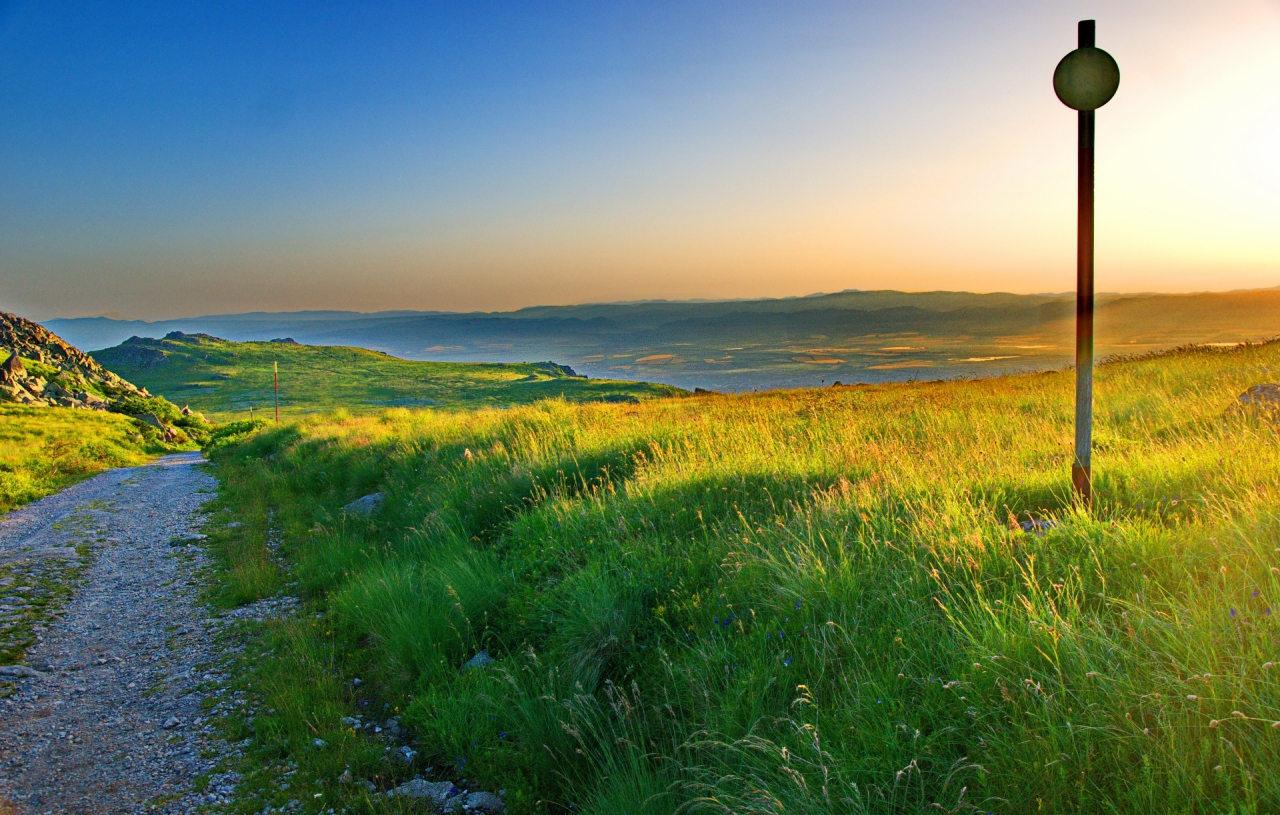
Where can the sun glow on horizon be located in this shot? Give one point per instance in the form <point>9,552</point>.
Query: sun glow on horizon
<point>844,149</point>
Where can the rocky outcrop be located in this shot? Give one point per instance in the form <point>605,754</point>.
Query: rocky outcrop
<point>139,352</point>
<point>40,369</point>
<point>558,370</point>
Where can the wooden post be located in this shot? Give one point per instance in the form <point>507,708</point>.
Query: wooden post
<point>275,372</point>
<point>1082,467</point>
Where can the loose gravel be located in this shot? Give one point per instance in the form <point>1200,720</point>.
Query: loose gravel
<point>105,713</point>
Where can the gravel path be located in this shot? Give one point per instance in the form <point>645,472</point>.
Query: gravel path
<point>108,717</point>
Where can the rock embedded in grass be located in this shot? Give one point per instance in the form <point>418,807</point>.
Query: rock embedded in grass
<point>479,661</point>
<point>1265,397</point>
<point>367,505</point>
<point>436,793</point>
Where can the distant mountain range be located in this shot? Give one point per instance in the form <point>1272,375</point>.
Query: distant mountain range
<point>746,344</point>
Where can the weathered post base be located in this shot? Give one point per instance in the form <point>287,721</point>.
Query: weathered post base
<point>1082,482</point>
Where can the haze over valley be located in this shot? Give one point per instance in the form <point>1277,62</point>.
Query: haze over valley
<point>742,345</point>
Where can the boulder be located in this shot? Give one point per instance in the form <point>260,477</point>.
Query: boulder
<point>436,793</point>
<point>12,369</point>
<point>478,662</point>
<point>151,419</point>
<point>485,802</point>
<point>166,432</point>
<point>367,505</point>
<point>1265,397</point>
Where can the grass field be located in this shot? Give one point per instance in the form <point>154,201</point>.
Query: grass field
<point>225,379</point>
<point>43,449</point>
<point>798,602</point>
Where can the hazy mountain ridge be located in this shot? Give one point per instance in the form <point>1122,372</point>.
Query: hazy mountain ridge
<point>100,332</point>
<point>766,343</point>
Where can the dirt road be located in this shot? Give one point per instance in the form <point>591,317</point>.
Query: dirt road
<point>104,714</point>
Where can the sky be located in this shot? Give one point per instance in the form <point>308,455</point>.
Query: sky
<point>168,159</point>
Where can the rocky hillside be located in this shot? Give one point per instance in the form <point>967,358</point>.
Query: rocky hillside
<point>40,369</point>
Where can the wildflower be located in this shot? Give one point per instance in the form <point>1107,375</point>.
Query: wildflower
<point>1233,613</point>
<point>1237,714</point>
<point>1146,731</point>
<point>502,735</point>
<point>786,662</point>
<point>798,605</point>
<point>1213,722</point>
<point>1266,666</point>
<point>782,634</point>
<point>1217,768</point>
<point>1255,592</point>
<point>1192,697</point>
<point>715,620</point>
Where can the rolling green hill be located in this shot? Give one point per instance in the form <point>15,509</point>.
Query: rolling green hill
<point>813,601</point>
<point>222,378</point>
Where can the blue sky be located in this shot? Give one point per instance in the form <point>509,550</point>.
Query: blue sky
<point>167,159</point>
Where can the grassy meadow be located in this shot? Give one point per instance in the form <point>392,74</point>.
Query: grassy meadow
<point>813,601</point>
<point>225,379</point>
<point>44,449</point>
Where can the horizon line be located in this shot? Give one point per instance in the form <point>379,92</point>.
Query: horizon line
<point>114,316</point>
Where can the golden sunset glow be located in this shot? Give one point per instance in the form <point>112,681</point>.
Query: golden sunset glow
<point>932,156</point>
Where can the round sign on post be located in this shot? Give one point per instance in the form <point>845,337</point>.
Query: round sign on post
<point>1085,80</point>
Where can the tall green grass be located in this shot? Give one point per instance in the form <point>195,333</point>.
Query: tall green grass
<point>806,601</point>
<point>44,449</point>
